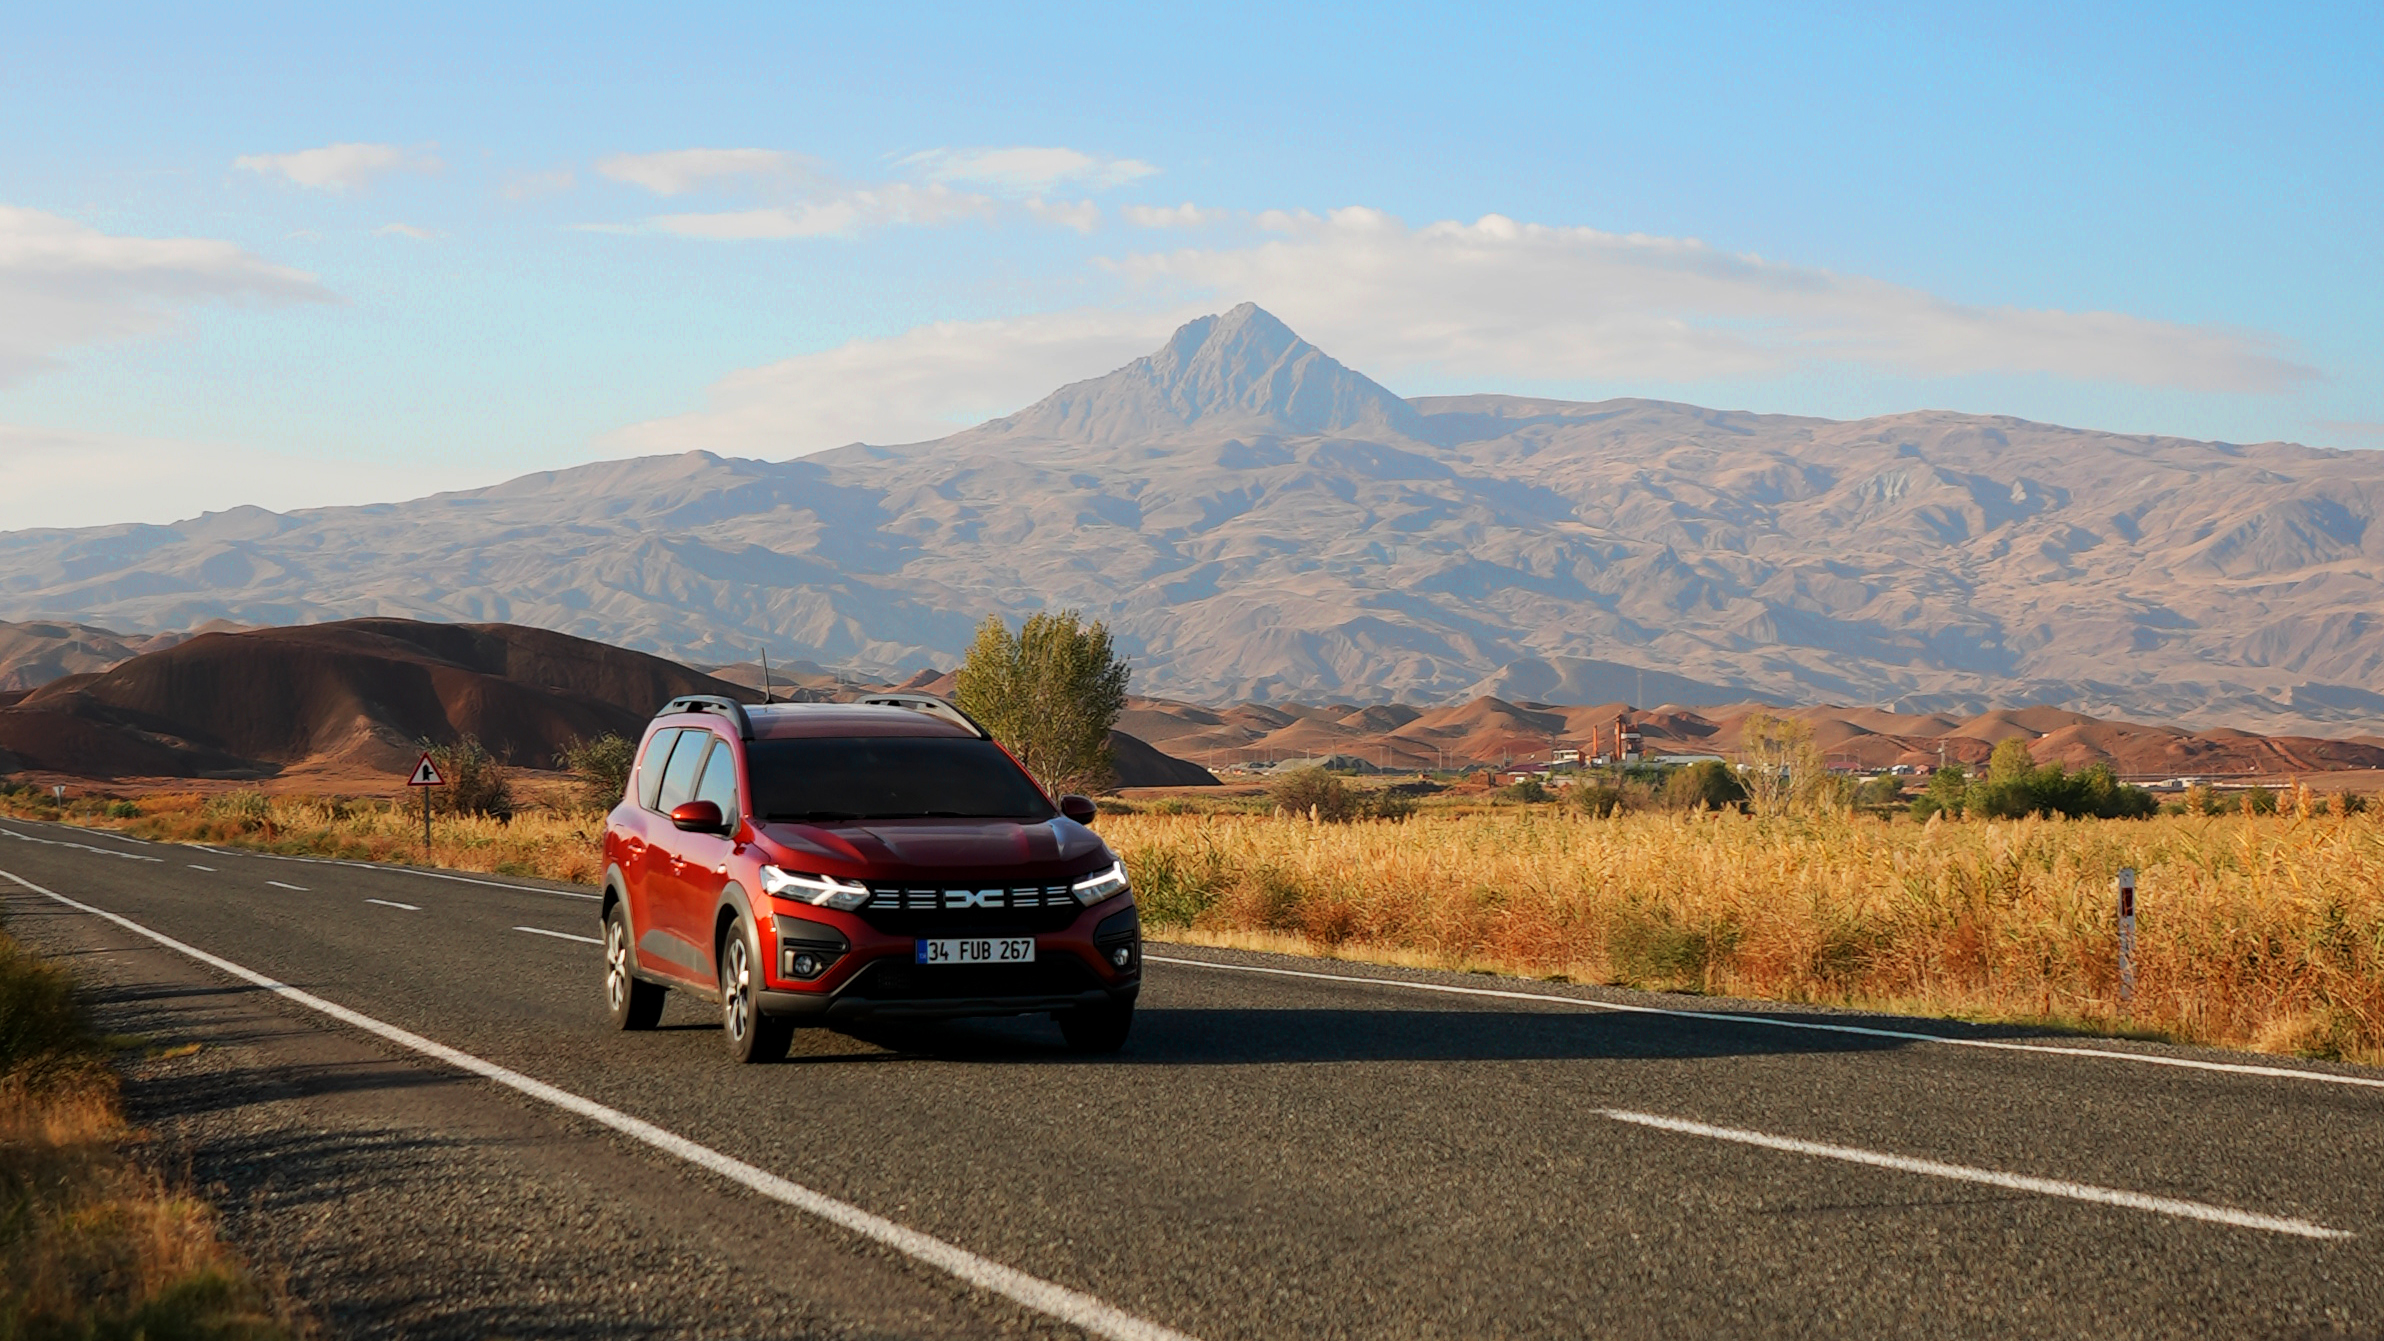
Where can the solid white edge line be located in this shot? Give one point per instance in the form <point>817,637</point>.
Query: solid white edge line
<point>79,847</point>
<point>1057,1301</point>
<point>392,903</point>
<point>2051,1187</point>
<point>1908,1035</point>
<point>560,935</point>
<point>310,861</point>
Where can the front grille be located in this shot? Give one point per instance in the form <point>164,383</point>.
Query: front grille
<point>911,910</point>
<point>1061,974</point>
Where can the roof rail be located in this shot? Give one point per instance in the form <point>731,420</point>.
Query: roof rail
<point>726,707</point>
<point>929,704</point>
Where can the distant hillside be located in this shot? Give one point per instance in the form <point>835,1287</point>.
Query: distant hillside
<point>1493,730</point>
<point>358,696</point>
<point>358,693</point>
<point>1259,522</point>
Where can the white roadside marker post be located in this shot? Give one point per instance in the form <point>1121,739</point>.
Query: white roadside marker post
<point>2127,938</point>
<point>426,776</point>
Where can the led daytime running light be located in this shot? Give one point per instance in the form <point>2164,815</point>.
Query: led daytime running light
<point>1101,885</point>
<point>820,891</point>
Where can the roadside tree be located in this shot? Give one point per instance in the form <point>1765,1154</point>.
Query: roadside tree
<point>1050,694</point>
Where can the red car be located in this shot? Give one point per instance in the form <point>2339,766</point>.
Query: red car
<point>827,862</point>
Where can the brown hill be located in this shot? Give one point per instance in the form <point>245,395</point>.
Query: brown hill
<point>359,693</point>
<point>357,697</point>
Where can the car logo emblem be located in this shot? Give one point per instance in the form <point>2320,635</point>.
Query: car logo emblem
<point>973,898</point>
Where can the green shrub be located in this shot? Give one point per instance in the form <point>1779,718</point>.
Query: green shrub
<point>602,767</point>
<point>1708,784</point>
<point>477,784</point>
<point>1316,794</point>
<point>1600,799</point>
<point>1527,792</point>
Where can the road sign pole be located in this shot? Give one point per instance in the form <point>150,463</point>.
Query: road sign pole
<point>426,776</point>
<point>2127,938</point>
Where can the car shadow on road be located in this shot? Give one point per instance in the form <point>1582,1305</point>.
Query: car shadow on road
<point>1207,1036</point>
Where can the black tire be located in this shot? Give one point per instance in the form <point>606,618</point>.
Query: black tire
<point>631,1002</point>
<point>751,1035</point>
<point>1096,1028</point>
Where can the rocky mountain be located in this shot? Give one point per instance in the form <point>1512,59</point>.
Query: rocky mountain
<point>1259,522</point>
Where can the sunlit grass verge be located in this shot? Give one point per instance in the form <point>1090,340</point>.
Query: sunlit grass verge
<point>2262,931</point>
<point>91,1245</point>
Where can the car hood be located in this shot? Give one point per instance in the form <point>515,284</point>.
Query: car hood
<point>935,849</point>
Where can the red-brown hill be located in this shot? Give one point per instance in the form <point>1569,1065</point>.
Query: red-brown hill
<point>360,693</point>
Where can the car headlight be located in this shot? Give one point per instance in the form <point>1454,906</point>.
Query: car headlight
<point>820,891</point>
<point>1101,885</point>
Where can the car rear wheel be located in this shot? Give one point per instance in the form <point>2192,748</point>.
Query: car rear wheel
<point>1096,1028</point>
<point>631,1002</point>
<point>752,1036</point>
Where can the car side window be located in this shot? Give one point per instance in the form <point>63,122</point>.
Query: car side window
<point>678,780</point>
<point>720,780</point>
<point>649,769</point>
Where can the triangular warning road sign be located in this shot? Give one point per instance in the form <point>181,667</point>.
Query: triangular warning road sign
<point>426,774</point>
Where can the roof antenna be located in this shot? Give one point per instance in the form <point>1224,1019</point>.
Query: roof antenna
<point>766,675</point>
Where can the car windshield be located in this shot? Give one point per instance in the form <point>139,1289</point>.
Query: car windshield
<point>822,779</point>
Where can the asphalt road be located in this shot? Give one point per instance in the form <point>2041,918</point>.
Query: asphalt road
<point>1273,1155</point>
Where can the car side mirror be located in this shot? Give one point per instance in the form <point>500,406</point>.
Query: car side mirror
<point>1079,808</point>
<point>698,817</point>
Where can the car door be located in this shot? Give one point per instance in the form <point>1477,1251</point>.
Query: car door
<point>641,827</point>
<point>662,941</point>
<point>695,892</point>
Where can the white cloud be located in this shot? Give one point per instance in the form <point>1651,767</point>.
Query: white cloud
<point>676,172</point>
<point>339,168</point>
<point>1186,215</point>
<point>842,214</point>
<point>1500,299</point>
<point>922,384</point>
<point>405,230</point>
<point>64,284</point>
<point>1026,170</point>
<point>1084,216</point>
<point>51,476</point>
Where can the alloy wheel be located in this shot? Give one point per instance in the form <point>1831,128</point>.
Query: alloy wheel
<point>736,988</point>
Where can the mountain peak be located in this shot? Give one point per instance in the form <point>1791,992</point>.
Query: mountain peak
<point>1241,368</point>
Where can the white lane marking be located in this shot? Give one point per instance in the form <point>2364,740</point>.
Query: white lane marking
<point>386,903</point>
<point>1058,1301</point>
<point>560,935</point>
<point>279,885</point>
<point>80,847</point>
<point>1908,1035</point>
<point>2051,1187</point>
<point>196,867</point>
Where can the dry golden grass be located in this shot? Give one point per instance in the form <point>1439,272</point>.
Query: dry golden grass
<point>92,1245</point>
<point>2253,931</point>
<point>2262,932</point>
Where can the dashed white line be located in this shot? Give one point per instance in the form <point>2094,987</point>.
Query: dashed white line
<point>1815,1026</point>
<point>2051,1187</point>
<point>391,903</point>
<point>1082,1310</point>
<point>79,847</point>
<point>279,885</point>
<point>560,935</point>
<point>196,867</point>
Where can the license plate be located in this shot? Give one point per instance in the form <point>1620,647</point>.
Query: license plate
<point>978,950</point>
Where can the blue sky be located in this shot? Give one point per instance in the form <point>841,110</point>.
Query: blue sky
<point>294,257</point>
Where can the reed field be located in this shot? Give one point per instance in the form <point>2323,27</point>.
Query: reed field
<point>2259,931</point>
<point>91,1243</point>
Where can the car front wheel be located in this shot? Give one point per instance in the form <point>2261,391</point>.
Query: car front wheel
<point>631,1002</point>
<point>752,1036</point>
